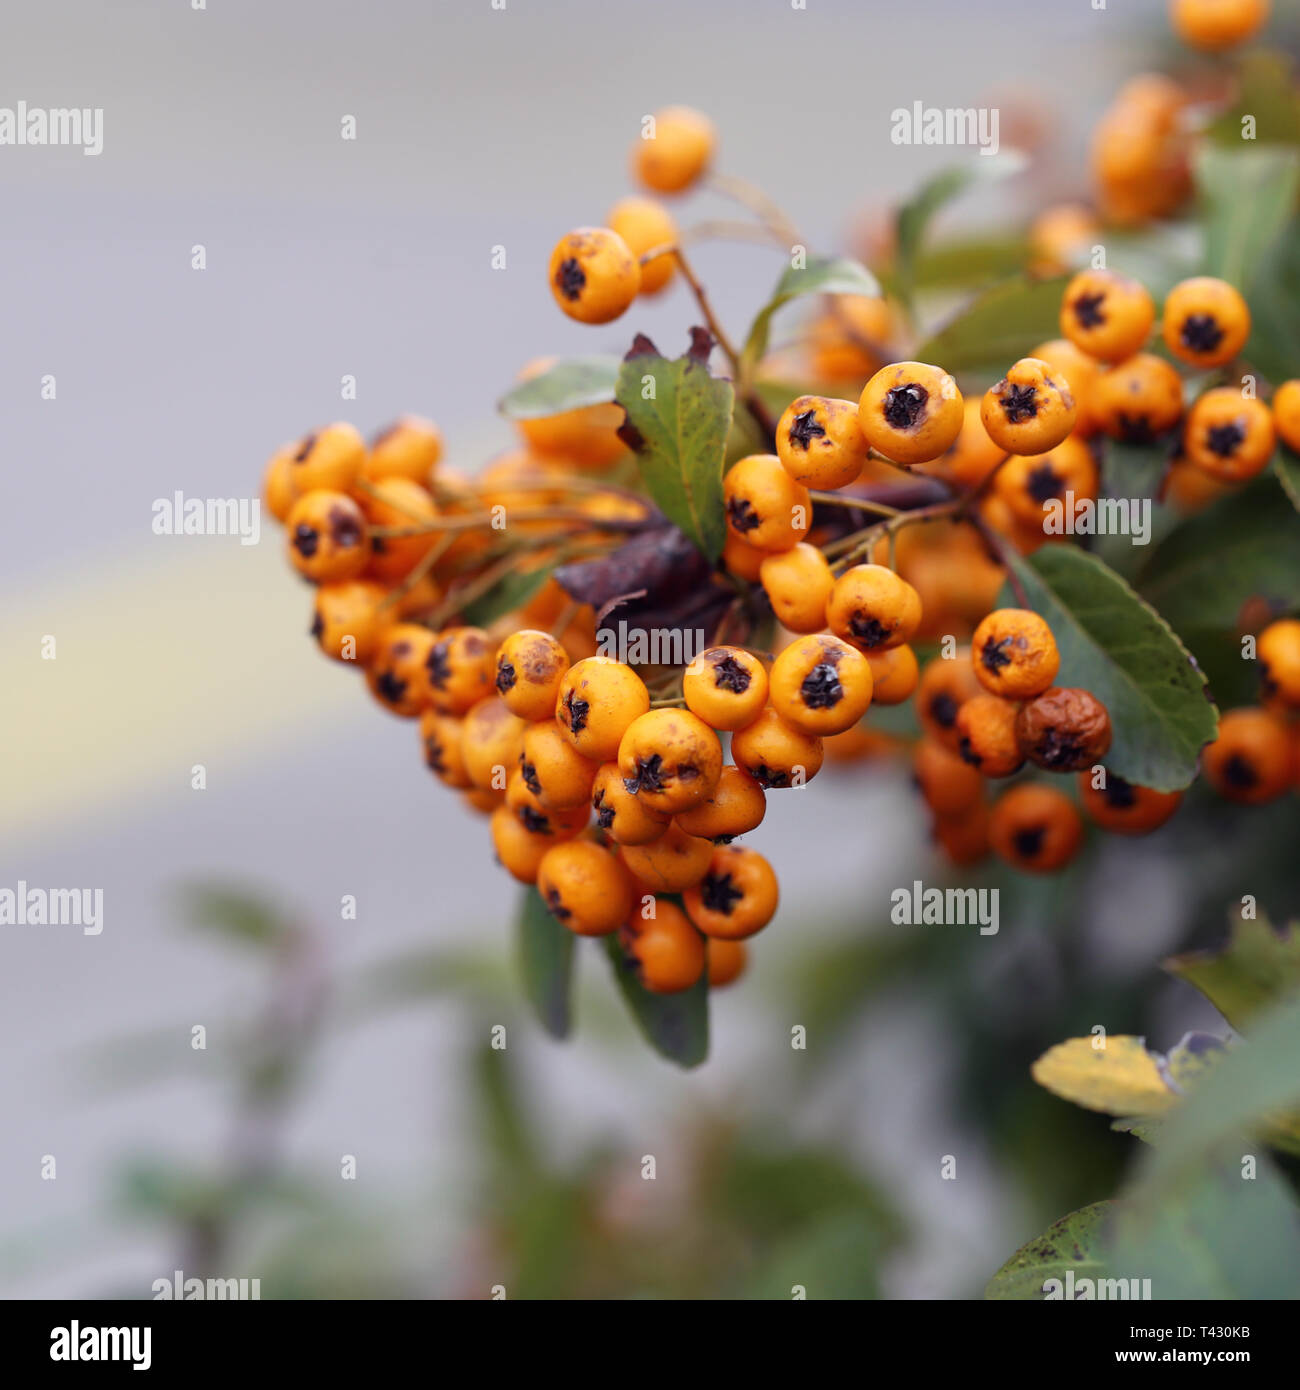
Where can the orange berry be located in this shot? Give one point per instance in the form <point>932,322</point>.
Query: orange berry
<point>1035,828</point>
<point>598,699</point>
<point>871,607</point>
<point>911,412</point>
<point>645,226</point>
<point>584,887</point>
<point>670,759</point>
<point>675,150</point>
<point>1123,807</point>
<point>736,897</point>
<point>798,583</point>
<point>1206,321</point>
<point>665,951</point>
<point>821,685</point>
<point>726,687</point>
<point>1106,315</point>
<point>593,275</point>
<point>1014,654</point>
<point>766,508</point>
<point>735,806</point>
<point>672,863</point>
<point>1250,761</point>
<point>1031,410</point>
<point>986,728</point>
<point>774,753</point>
<point>820,443</point>
<point>327,537</point>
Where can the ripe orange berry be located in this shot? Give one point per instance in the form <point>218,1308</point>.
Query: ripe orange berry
<point>741,559</point>
<point>1139,399</point>
<point>330,459</point>
<point>945,686</point>
<point>1014,654</point>
<point>849,339</point>
<point>553,770</point>
<point>1278,651</point>
<point>519,850</point>
<point>736,897</point>
<point>665,951</point>
<point>1250,761</point>
<point>1214,25</point>
<point>821,685</point>
<point>1064,729</point>
<point>964,838</point>
<point>491,741</point>
<point>1206,321</point>
<point>734,807</point>
<point>670,759</point>
<point>1031,410</point>
<point>625,817</point>
<point>645,226</point>
<point>1081,371</point>
<point>766,508</point>
<point>1106,315</point>
<point>672,863</point>
<point>348,619</point>
<point>484,802</point>
<point>911,412</point>
<point>820,442</point>
<point>1140,150</point>
<point>327,537</point>
<point>871,607</point>
<point>399,503</point>
<point>949,785</point>
<point>409,448</point>
<point>1286,414</point>
<point>539,819</point>
<point>440,736</point>
<point>894,675</point>
<point>278,490</point>
<point>774,753</point>
<point>594,277</point>
<point>727,961</point>
<point>797,583</point>
<point>675,151</point>
<point>1035,828</point>
<point>461,667</point>
<point>973,455</point>
<point>1229,436</point>
<point>1123,807</point>
<point>725,686</point>
<point>584,887</point>
<point>1059,236</point>
<point>530,667</point>
<point>1067,475</point>
<point>398,673</point>
<point>986,729</point>
<point>598,698</point>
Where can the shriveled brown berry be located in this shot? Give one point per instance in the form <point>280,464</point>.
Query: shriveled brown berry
<point>1064,729</point>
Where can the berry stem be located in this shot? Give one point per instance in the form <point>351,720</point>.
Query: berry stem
<point>770,213</point>
<point>1000,552</point>
<point>980,488</point>
<point>860,504</point>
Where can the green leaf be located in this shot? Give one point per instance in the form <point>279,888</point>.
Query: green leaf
<point>1243,546</point>
<point>1247,197</point>
<point>510,592</point>
<point>1119,648</point>
<point>546,957</point>
<point>239,916</point>
<point>1266,92</point>
<point>1256,969</point>
<point>998,326</point>
<point>565,385</point>
<point>966,262</point>
<point>1075,1242</point>
<point>1274,299</point>
<point>680,436</point>
<point>1287,467</point>
<point>821,275</point>
<point>675,1025</point>
<point>915,215</point>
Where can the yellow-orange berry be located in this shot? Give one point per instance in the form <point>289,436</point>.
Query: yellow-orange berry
<point>349,619</point>
<point>871,607</point>
<point>408,448</point>
<point>278,490</point>
<point>675,150</point>
<point>593,275</point>
<point>1106,314</point>
<point>736,897</point>
<point>741,559</point>
<point>1206,321</point>
<point>670,864</point>
<point>1059,236</point>
<point>1214,25</point>
<point>1035,828</point>
<point>973,455</point>
<point>645,226</point>
<point>735,806</point>
<point>911,412</point>
<point>491,741</point>
<point>670,759</point>
<point>820,442</point>
<point>530,666</point>
<point>519,850</point>
<point>1278,652</point>
<point>894,675</point>
<point>625,817</point>
<point>1286,414</point>
<point>598,698</point>
<point>945,686</point>
<point>542,820</point>
<point>725,686</point>
<point>1013,654</point>
<point>1123,807</point>
<point>1250,760</point>
<point>330,459</point>
<point>949,785</point>
<point>774,753</point>
<point>964,838</point>
<point>1059,481</point>
<point>849,339</point>
<point>398,673</point>
<point>327,537</point>
<point>1081,371</point>
<point>1031,410</point>
<point>820,685</point>
<point>766,508</point>
<point>798,583</point>
<point>986,730</point>
<point>553,770</point>
<point>440,737</point>
<point>398,503</point>
<point>1138,399</point>
<point>461,667</point>
<point>665,951</point>
<point>727,960</point>
<point>1228,435</point>
<point>585,887</point>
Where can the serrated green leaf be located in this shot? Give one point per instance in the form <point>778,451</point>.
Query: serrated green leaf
<point>675,1025</point>
<point>821,275</point>
<point>682,438</point>
<point>1117,646</point>
<point>1076,1242</point>
<point>914,217</point>
<point>546,958</point>
<point>1257,968</point>
<point>510,592</point>
<point>1247,196</point>
<point>565,385</point>
<point>998,326</point>
<point>1286,466</point>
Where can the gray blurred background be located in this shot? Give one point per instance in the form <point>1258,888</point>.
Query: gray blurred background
<point>475,127</point>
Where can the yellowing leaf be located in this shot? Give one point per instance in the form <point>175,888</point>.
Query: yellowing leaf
<point>1121,1078</point>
